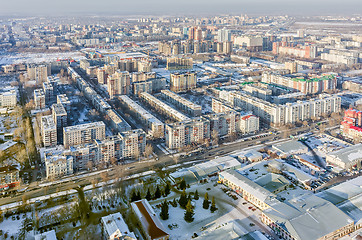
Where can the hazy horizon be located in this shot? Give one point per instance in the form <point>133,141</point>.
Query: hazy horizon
<point>163,7</point>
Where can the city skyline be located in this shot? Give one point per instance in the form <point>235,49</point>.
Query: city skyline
<point>162,7</point>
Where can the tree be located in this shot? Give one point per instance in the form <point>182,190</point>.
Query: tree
<point>158,192</point>
<point>113,161</point>
<point>183,199</point>
<point>90,165</point>
<point>182,185</point>
<point>213,206</point>
<point>148,150</point>
<point>135,196</point>
<point>305,123</point>
<point>215,137</point>
<point>189,214</point>
<point>167,189</point>
<point>104,176</point>
<point>164,210</point>
<point>196,196</point>
<point>174,203</point>
<point>206,203</point>
<point>148,195</point>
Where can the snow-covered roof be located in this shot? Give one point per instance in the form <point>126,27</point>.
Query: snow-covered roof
<point>349,154</point>
<point>50,235</point>
<point>115,226</point>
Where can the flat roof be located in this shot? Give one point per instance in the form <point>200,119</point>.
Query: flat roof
<point>348,154</point>
<point>84,126</point>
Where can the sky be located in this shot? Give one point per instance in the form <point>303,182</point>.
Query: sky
<point>180,7</point>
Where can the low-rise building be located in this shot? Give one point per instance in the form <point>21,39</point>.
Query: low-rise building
<point>151,225</point>
<point>346,158</point>
<point>115,228</point>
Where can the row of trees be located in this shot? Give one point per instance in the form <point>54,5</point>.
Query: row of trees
<point>136,195</point>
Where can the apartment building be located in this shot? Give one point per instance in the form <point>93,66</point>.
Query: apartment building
<point>117,121</point>
<point>64,100</point>
<point>181,82</point>
<point>306,85</point>
<point>60,116</point>
<point>226,123</point>
<point>119,84</point>
<point>163,108</point>
<point>57,165</point>
<point>179,63</point>
<point>249,124</point>
<point>8,98</point>
<point>297,51</point>
<point>133,143</point>
<point>39,98</point>
<point>9,177</point>
<point>48,91</point>
<point>287,113</point>
<point>155,126</point>
<point>150,86</point>
<point>39,73</point>
<point>182,103</point>
<point>143,76</point>
<point>83,133</point>
<point>220,105</point>
<point>351,126</point>
<point>182,134</point>
<point>48,131</point>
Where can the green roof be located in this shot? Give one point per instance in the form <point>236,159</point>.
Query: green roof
<point>316,79</point>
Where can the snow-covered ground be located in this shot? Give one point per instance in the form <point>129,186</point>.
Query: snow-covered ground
<point>7,58</point>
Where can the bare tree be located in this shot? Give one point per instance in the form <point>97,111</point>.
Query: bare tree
<point>215,137</point>
<point>148,150</point>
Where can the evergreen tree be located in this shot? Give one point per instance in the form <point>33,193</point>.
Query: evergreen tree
<point>183,199</point>
<point>167,189</point>
<point>138,195</point>
<point>196,196</point>
<point>213,206</point>
<point>189,214</point>
<point>174,202</point>
<point>205,204</point>
<point>189,198</point>
<point>182,185</point>
<point>148,195</point>
<point>164,210</point>
<point>133,196</point>
<point>157,193</point>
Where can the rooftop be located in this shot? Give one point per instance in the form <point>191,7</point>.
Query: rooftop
<point>84,126</point>
<point>348,154</point>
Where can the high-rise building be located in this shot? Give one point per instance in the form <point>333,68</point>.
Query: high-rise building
<point>83,133</point>
<point>39,98</point>
<point>8,98</point>
<point>39,73</point>
<point>180,82</point>
<point>48,131</point>
<point>179,63</point>
<point>119,84</point>
<point>182,134</point>
<point>60,116</point>
<point>57,165</point>
<point>224,35</point>
<point>292,67</point>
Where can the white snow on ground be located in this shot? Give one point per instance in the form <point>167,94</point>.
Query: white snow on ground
<point>12,226</point>
<point>38,57</point>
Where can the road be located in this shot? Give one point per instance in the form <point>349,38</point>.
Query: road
<point>33,190</point>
